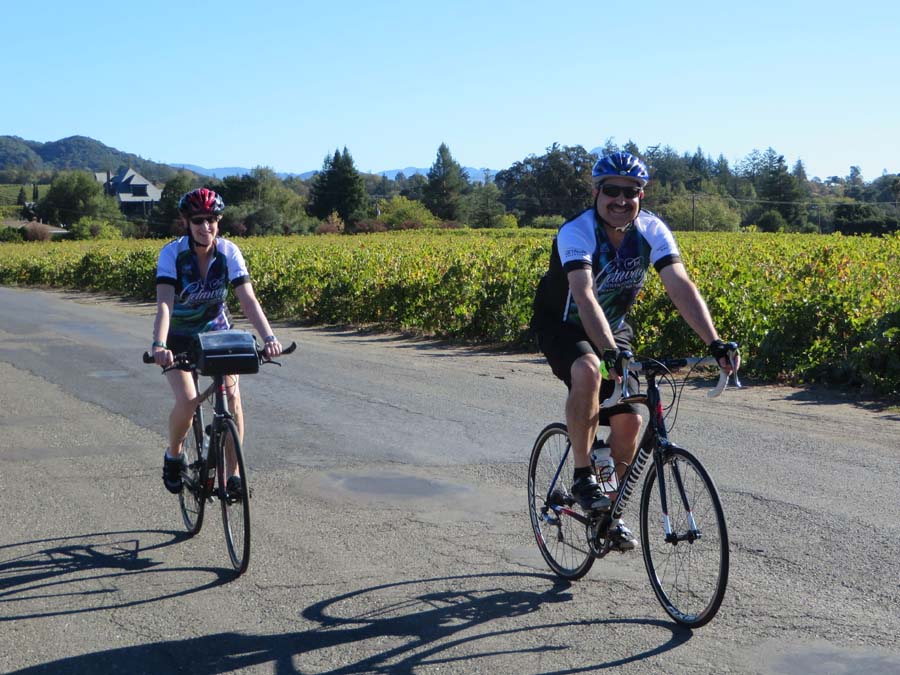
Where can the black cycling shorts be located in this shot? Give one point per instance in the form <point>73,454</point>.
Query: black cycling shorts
<point>564,344</point>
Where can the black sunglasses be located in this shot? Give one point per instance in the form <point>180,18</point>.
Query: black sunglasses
<point>202,220</point>
<point>616,190</point>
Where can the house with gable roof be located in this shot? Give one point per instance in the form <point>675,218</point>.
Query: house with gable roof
<point>135,194</point>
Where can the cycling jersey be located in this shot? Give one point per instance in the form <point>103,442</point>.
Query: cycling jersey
<point>619,274</point>
<point>200,303</point>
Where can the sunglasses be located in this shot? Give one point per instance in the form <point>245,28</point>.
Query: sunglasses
<point>201,220</point>
<point>616,190</point>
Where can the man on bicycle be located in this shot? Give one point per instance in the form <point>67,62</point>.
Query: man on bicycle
<point>192,279</point>
<point>597,267</point>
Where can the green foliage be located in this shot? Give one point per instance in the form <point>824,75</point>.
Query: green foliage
<point>703,213</point>
<point>10,234</point>
<point>399,210</point>
<point>74,195</point>
<point>447,183</point>
<point>483,208</point>
<point>557,182</point>
<point>772,221</point>
<point>338,188</point>
<point>805,308</point>
<point>92,228</point>
<point>547,222</point>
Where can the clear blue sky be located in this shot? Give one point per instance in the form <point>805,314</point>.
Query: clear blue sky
<point>283,83</point>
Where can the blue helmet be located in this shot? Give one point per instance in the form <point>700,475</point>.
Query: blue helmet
<point>620,164</point>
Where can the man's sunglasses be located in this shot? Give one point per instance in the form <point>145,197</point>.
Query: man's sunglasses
<point>616,190</point>
<point>202,220</point>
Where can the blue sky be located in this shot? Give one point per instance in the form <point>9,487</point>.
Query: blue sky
<point>284,83</point>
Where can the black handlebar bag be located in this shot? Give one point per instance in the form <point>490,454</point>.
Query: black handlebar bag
<point>226,352</point>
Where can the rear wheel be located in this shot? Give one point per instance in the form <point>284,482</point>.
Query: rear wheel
<point>236,506</point>
<point>561,538</point>
<point>191,497</point>
<point>688,568</point>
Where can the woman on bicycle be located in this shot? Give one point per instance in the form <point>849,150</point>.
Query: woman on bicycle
<point>598,266</point>
<point>192,279</point>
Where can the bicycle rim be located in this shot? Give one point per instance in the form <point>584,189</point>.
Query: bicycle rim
<point>191,498</point>
<point>235,511</point>
<point>561,539</point>
<point>688,576</point>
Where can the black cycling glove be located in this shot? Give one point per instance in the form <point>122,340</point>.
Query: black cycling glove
<point>719,349</point>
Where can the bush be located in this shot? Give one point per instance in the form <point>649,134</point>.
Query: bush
<point>10,234</point>
<point>367,226</point>
<point>547,222</point>
<point>772,221</point>
<point>37,232</point>
<point>91,228</point>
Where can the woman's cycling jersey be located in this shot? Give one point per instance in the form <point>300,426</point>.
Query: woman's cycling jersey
<point>619,274</point>
<point>200,303</point>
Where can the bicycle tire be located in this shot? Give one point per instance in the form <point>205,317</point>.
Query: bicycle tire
<point>561,539</point>
<point>689,577</point>
<point>235,512</point>
<point>192,498</point>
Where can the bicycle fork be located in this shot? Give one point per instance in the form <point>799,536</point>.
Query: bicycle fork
<point>671,537</point>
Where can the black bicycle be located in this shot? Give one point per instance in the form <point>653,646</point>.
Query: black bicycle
<point>212,445</point>
<point>684,539</point>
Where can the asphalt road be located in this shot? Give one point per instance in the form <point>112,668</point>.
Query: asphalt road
<point>390,531</point>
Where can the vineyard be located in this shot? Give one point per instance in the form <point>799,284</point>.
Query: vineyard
<point>805,308</point>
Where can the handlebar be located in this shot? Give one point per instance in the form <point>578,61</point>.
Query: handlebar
<point>627,363</point>
<point>184,361</point>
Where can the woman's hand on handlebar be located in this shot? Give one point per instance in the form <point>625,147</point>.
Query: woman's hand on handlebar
<point>163,357</point>
<point>272,348</point>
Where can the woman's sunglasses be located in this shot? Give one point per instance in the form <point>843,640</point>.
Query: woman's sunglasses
<point>616,190</point>
<point>202,220</point>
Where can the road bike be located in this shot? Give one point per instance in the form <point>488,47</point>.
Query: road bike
<point>684,539</point>
<point>213,444</point>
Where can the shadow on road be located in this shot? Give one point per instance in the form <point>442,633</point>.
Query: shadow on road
<point>63,570</point>
<point>392,629</point>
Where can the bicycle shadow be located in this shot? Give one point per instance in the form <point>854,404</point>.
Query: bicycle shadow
<point>76,562</point>
<point>427,623</point>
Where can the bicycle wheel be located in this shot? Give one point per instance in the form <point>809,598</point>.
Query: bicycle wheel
<point>688,569</point>
<point>192,499</point>
<point>235,509</point>
<point>561,538</point>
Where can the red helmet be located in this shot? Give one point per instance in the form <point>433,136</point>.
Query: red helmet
<point>201,200</point>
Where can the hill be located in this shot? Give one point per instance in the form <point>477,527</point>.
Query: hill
<point>221,172</point>
<point>75,152</point>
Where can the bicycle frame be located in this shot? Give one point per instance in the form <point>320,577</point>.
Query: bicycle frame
<point>654,444</point>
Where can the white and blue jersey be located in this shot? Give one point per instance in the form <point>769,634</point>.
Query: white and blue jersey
<point>619,274</point>
<point>200,302</point>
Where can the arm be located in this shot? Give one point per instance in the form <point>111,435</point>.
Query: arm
<point>165,300</point>
<point>253,311</point>
<point>581,283</point>
<point>690,305</point>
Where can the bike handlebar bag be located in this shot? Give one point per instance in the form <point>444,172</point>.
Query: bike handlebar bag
<point>226,352</point>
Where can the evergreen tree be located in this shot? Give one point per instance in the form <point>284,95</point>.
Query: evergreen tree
<point>21,199</point>
<point>447,183</point>
<point>338,188</point>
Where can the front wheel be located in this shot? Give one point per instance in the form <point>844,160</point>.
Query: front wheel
<point>235,506</point>
<point>688,565</point>
<point>561,538</point>
<point>192,498</point>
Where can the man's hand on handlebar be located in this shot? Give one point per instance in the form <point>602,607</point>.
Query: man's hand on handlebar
<point>726,354</point>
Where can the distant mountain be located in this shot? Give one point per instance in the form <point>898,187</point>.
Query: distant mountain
<point>222,172</point>
<point>81,152</point>
<point>75,152</point>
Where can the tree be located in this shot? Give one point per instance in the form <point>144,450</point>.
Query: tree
<point>164,217</point>
<point>558,181</point>
<point>74,195</point>
<point>447,183</point>
<point>22,198</point>
<point>704,213</point>
<point>338,188</point>
<point>398,211</point>
<point>483,207</point>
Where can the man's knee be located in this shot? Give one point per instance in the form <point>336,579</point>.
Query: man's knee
<point>586,372</point>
